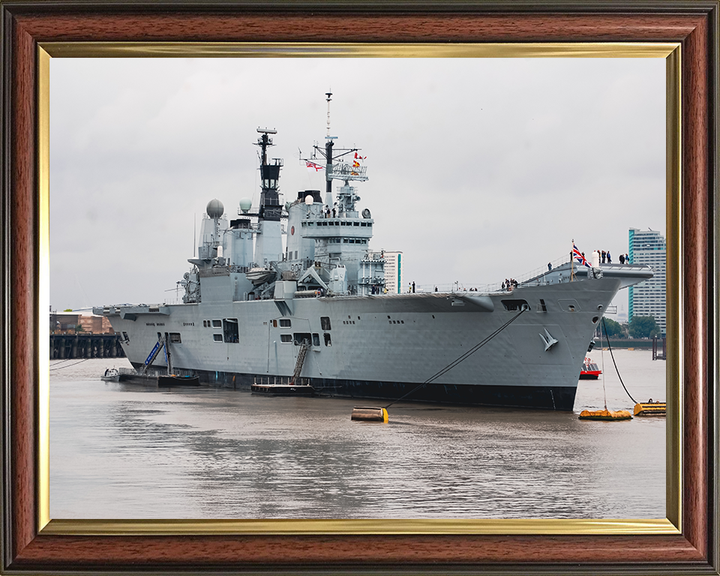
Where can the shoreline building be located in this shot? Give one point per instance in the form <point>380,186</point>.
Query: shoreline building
<point>393,272</point>
<point>79,321</point>
<point>648,298</point>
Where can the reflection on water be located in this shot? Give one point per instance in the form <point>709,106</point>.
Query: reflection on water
<point>130,451</point>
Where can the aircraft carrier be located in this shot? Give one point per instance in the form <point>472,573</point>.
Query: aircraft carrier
<point>314,310</point>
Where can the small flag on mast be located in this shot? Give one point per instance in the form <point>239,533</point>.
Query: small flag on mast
<point>313,166</point>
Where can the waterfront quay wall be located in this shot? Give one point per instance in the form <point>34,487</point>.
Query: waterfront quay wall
<point>85,346</point>
<point>634,343</point>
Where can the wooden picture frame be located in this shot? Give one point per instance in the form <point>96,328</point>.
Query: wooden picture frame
<point>30,544</point>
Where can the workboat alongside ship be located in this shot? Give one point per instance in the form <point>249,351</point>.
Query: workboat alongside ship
<point>316,313</point>
<point>590,370</point>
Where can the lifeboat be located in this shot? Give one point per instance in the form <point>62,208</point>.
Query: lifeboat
<point>259,275</point>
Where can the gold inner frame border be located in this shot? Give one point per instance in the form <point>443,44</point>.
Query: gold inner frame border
<point>671,51</point>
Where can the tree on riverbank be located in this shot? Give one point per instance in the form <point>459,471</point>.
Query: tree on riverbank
<point>613,329</point>
<point>643,327</point>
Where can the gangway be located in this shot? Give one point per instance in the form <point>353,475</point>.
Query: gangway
<point>304,347</point>
<point>159,345</point>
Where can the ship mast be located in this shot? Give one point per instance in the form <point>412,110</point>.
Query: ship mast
<point>270,208</point>
<point>268,241</point>
<point>328,155</point>
<point>335,169</point>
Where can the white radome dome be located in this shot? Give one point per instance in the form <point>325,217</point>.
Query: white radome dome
<point>245,204</point>
<point>215,208</point>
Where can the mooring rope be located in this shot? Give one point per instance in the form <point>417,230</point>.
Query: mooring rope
<point>607,338</point>
<point>460,359</point>
<point>65,360</point>
<point>69,365</point>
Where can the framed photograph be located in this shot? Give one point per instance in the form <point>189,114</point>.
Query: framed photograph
<point>686,539</point>
<point>563,137</point>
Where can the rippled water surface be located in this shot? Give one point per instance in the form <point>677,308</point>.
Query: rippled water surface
<point>132,451</point>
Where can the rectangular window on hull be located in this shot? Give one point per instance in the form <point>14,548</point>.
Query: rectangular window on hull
<point>300,337</point>
<point>316,340</point>
<point>325,322</point>
<point>286,338</point>
<point>216,323</point>
<point>230,330</point>
<point>328,341</point>
<point>174,338</point>
<point>285,323</point>
<point>217,337</point>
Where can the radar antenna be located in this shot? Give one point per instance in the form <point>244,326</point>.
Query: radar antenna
<point>329,98</point>
<point>335,167</point>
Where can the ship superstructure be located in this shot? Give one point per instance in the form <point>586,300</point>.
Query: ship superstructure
<point>318,309</point>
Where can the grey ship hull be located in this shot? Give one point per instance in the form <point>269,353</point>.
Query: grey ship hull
<point>383,346</point>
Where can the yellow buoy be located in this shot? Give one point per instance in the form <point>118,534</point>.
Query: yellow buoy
<point>605,415</point>
<point>650,408</point>
<point>369,414</point>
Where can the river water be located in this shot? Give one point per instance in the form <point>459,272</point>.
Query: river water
<point>128,451</point>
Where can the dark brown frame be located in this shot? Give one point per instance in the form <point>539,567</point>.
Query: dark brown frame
<point>694,24</point>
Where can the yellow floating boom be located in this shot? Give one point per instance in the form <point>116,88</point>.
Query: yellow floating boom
<point>650,408</point>
<point>605,415</point>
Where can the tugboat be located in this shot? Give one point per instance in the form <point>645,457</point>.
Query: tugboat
<point>590,370</point>
<point>318,307</point>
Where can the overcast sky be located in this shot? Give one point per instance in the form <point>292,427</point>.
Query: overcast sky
<point>479,169</point>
